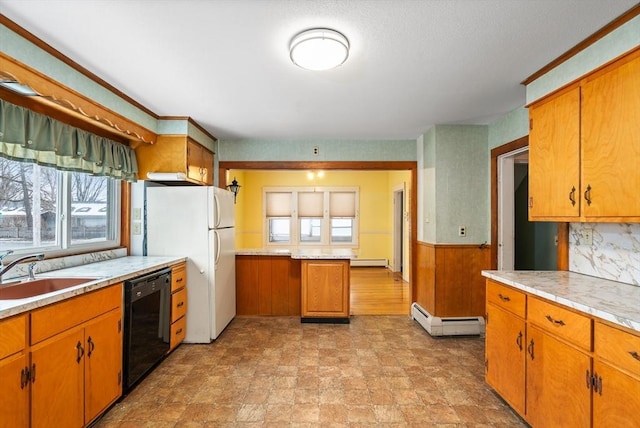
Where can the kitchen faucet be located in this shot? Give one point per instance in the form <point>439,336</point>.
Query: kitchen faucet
<point>8,267</point>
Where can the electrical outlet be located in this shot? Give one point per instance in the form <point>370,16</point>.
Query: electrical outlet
<point>136,228</point>
<point>462,231</point>
<point>137,214</point>
<point>586,237</point>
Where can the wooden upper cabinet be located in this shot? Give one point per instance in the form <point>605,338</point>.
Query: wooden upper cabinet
<point>554,157</point>
<point>611,143</point>
<point>176,153</point>
<point>584,148</point>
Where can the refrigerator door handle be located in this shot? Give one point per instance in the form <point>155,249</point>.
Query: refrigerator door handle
<point>216,213</point>
<point>217,250</point>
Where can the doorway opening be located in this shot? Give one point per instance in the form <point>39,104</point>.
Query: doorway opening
<point>399,241</point>
<point>522,244</point>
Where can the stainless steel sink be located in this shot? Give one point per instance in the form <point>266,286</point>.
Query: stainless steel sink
<point>25,289</point>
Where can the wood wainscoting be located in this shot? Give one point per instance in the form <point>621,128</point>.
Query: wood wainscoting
<point>448,279</point>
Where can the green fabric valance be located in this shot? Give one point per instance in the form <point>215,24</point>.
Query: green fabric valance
<point>33,137</point>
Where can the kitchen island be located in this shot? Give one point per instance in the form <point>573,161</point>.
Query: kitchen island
<point>312,283</point>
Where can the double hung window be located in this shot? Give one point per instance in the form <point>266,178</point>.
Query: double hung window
<point>322,216</point>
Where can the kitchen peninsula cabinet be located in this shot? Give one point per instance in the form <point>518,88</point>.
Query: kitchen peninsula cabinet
<point>14,364</point>
<point>584,148</point>
<point>325,290</point>
<point>176,153</point>
<point>267,285</point>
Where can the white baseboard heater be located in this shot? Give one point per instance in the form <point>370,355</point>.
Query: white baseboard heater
<point>454,326</point>
<point>369,262</point>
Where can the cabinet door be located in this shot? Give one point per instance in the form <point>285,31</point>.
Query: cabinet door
<point>558,382</point>
<point>14,392</point>
<point>504,354</point>
<point>103,363</point>
<point>611,142</point>
<point>325,288</point>
<point>616,398</point>
<point>554,157</point>
<point>57,394</point>
<point>207,167</point>
<point>194,161</point>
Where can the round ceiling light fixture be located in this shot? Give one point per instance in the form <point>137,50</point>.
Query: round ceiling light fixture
<point>319,49</point>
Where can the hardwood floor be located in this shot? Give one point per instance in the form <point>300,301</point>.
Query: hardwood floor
<point>377,291</point>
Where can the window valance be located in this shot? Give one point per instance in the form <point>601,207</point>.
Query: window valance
<point>33,137</point>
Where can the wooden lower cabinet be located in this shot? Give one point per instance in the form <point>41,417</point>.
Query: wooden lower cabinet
<point>267,285</point>
<point>325,288</point>
<point>558,389</point>
<point>178,329</point>
<point>505,356</point>
<point>574,370</point>
<point>616,404</point>
<point>65,362</point>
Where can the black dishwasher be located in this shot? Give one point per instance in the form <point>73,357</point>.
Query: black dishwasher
<point>147,322</point>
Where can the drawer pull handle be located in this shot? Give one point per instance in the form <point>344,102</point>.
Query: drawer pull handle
<point>519,341</point>
<point>181,304</point>
<point>179,280</point>
<point>530,349</point>
<point>504,298</point>
<point>92,346</point>
<point>24,377</point>
<point>553,321</point>
<point>635,355</point>
<point>572,196</point>
<point>178,331</point>
<point>32,373</point>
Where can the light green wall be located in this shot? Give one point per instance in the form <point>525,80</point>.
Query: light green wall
<point>509,127</point>
<point>612,45</point>
<point>329,150</point>
<point>26,52</point>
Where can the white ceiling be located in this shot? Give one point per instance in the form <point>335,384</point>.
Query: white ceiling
<point>225,63</point>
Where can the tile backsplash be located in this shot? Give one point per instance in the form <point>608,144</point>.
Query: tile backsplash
<point>614,253</point>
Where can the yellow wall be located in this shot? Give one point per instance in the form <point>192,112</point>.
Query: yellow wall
<point>376,204</point>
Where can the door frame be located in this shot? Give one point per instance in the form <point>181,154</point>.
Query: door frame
<point>411,166</point>
<point>398,247</point>
<point>563,228</point>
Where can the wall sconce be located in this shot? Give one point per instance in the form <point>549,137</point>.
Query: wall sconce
<point>234,187</point>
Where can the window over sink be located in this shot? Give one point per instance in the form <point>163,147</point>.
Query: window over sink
<point>54,211</point>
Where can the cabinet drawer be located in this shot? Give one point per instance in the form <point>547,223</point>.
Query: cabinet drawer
<point>58,317</point>
<point>507,298</point>
<point>178,277</point>
<point>178,304</point>
<point>618,347</point>
<point>178,332</point>
<point>568,325</point>
<point>13,335</point>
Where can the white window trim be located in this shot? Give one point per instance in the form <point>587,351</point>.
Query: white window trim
<point>294,228</point>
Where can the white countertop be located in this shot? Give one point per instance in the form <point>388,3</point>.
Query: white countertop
<point>300,253</point>
<point>106,273</point>
<point>613,301</point>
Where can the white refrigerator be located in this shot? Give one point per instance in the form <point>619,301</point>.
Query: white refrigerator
<point>197,222</point>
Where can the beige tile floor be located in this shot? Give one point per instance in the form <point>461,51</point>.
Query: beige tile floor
<point>277,372</point>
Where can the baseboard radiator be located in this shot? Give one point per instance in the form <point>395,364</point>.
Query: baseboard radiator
<point>454,326</point>
<point>369,262</point>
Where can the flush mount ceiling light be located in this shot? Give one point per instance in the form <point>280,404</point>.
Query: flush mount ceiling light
<point>319,49</point>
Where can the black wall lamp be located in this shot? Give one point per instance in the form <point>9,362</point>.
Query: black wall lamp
<point>234,187</point>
